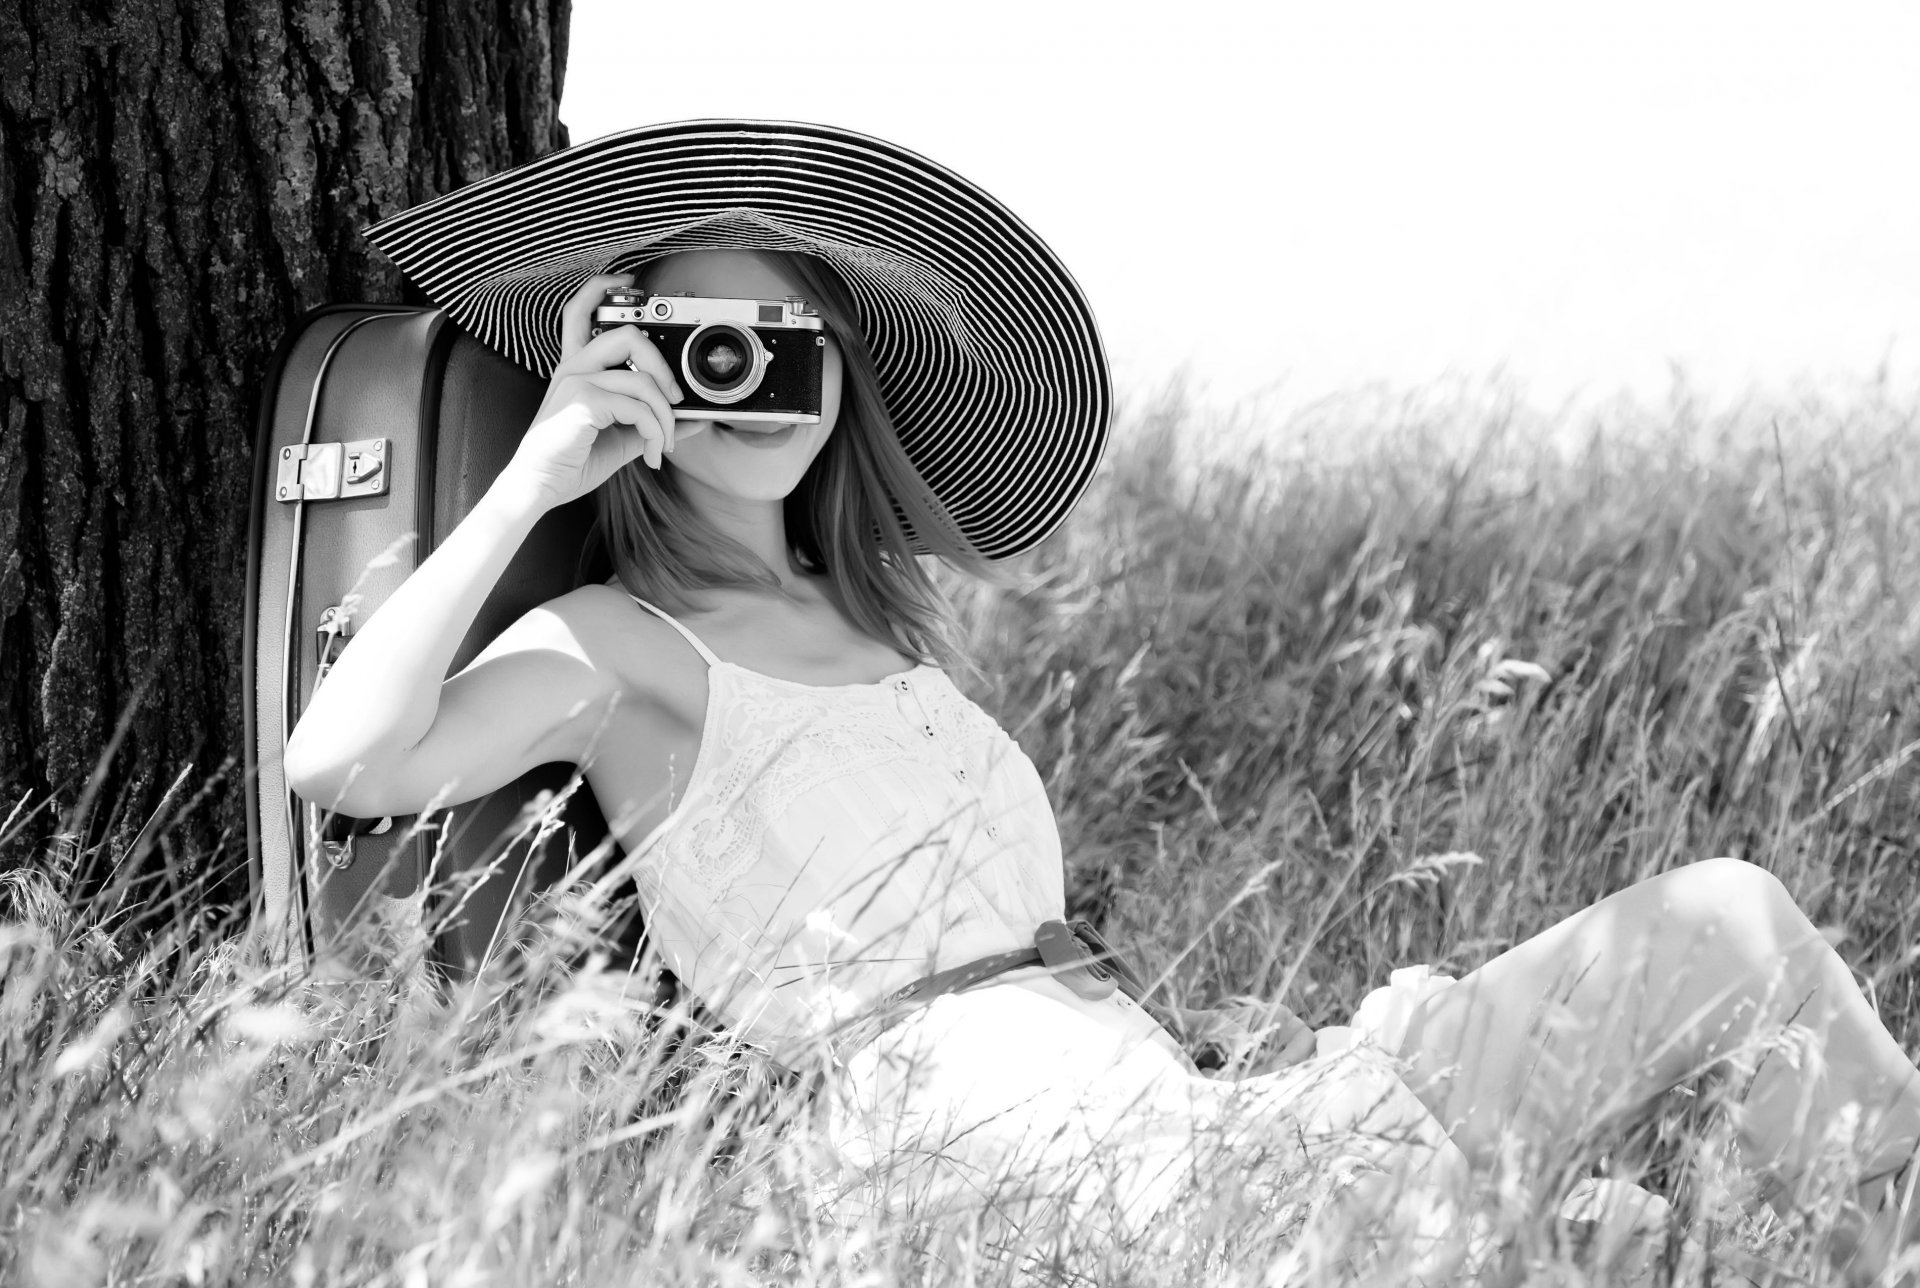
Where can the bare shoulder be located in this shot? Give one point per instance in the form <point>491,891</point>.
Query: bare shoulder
<point>637,756</point>
<point>637,653</point>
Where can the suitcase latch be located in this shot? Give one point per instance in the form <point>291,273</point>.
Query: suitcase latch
<point>327,471</point>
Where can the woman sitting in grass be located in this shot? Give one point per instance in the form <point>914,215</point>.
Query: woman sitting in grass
<point>849,862</point>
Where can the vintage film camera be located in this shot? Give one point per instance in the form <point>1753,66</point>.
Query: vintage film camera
<point>737,360</point>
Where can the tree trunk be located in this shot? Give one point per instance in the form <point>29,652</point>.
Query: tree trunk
<point>178,181</point>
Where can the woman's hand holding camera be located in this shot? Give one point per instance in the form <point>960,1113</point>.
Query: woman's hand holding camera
<point>609,403</point>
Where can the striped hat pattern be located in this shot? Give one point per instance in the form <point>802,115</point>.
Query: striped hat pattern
<point>987,352</point>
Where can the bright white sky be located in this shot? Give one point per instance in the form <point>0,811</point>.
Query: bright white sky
<point>1331,193</point>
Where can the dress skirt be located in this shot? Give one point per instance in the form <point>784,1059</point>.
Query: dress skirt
<point>1024,1112</point>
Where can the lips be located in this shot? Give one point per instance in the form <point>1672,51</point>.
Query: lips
<point>770,436</point>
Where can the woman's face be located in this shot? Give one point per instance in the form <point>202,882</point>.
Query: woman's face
<point>755,461</point>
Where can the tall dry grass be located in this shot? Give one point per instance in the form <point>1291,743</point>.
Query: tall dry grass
<point>1399,680</point>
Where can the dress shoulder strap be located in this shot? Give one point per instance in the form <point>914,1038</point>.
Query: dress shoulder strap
<point>690,637</point>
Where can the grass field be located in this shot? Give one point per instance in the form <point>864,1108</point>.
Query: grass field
<point>1399,680</point>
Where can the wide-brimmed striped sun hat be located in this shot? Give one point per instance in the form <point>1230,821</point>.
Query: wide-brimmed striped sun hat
<point>987,352</point>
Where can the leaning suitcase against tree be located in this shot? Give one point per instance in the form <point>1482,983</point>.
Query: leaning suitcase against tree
<point>380,426</point>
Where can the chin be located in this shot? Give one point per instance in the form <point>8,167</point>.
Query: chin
<point>749,473</point>
<point>759,489</point>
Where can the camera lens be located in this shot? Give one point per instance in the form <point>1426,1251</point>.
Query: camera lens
<point>722,363</point>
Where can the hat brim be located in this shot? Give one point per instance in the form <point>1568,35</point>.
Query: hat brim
<point>988,355</point>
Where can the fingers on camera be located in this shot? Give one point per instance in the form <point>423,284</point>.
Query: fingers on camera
<point>644,390</point>
<point>622,411</point>
<point>623,347</point>
<point>576,315</point>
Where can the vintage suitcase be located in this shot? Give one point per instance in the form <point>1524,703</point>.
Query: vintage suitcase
<point>379,427</point>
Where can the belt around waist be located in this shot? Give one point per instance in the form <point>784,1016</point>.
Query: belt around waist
<point>1073,952</point>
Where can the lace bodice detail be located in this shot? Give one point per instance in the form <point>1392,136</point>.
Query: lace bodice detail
<point>776,746</point>
<point>832,843</point>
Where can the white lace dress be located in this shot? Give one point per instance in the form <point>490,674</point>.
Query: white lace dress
<point>831,844</point>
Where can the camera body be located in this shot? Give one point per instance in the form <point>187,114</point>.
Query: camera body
<point>736,360</point>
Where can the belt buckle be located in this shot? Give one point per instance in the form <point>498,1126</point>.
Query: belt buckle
<point>1073,963</point>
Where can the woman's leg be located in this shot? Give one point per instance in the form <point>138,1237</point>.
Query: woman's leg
<point>1610,1008</point>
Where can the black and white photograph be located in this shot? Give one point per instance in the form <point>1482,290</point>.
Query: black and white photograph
<point>1253,644</point>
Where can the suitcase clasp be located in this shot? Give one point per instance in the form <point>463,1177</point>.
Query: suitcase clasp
<point>327,471</point>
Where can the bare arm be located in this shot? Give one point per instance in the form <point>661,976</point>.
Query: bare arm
<point>384,735</point>
<point>387,732</point>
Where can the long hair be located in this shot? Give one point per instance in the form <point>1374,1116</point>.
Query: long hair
<point>844,518</point>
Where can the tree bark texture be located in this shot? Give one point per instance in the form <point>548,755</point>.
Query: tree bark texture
<point>179,180</point>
